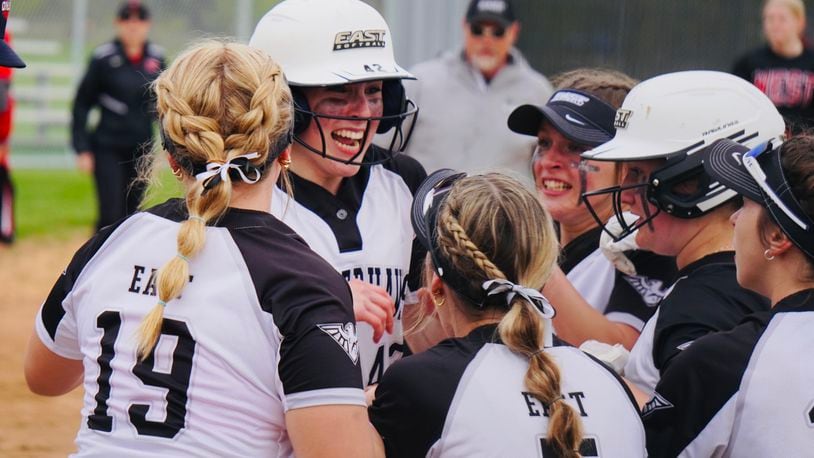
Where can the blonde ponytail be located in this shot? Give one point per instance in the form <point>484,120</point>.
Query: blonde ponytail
<point>216,102</point>
<point>491,228</point>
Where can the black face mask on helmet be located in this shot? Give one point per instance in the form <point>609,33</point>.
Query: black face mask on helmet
<point>680,188</point>
<point>399,114</point>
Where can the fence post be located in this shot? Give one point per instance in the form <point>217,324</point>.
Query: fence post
<point>80,14</point>
<point>244,19</point>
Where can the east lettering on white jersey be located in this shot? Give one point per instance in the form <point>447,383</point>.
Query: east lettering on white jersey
<point>467,397</point>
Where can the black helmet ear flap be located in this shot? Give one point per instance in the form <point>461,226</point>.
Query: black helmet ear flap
<point>394,99</point>
<point>302,116</point>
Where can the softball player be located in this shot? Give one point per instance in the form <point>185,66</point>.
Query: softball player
<point>681,211</point>
<point>762,403</point>
<point>251,348</point>
<point>577,117</point>
<point>351,199</point>
<point>500,385</point>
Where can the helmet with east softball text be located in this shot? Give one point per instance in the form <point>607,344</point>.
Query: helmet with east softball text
<point>323,43</point>
<point>675,117</point>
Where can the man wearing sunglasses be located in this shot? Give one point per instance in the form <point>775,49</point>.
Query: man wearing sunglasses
<point>118,82</point>
<point>466,96</point>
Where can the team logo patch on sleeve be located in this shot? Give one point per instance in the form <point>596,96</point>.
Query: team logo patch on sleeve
<point>657,403</point>
<point>344,334</point>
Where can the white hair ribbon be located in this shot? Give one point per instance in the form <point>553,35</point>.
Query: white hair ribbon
<point>238,163</point>
<point>500,286</point>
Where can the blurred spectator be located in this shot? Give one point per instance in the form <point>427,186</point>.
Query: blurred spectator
<point>466,96</point>
<point>8,60</point>
<point>118,82</point>
<point>784,68</point>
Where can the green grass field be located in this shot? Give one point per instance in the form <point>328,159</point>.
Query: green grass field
<point>60,202</point>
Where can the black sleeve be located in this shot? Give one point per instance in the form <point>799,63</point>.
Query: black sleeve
<point>52,310</point>
<point>312,308</point>
<point>695,388</point>
<point>639,295</point>
<point>411,403</point>
<point>693,310</point>
<point>86,97</point>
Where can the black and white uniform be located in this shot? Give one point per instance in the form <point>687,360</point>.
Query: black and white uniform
<point>745,392</point>
<point>466,397</point>
<point>706,298</point>
<point>621,298</point>
<point>364,231</point>
<point>264,326</point>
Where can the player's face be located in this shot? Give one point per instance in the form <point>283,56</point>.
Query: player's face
<point>344,138</point>
<point>663,235</point>
<point>749,248</point>
<point>133,31</point>
<point>488,44</point>
<point>780,25</point>
<point>558,175</point>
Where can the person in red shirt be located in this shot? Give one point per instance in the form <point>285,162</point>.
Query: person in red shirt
<point>8,60</point>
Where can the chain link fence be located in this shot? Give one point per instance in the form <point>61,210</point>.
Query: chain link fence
<point>640,37</point>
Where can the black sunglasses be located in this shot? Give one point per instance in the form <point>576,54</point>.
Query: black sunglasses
<point>497,31</point>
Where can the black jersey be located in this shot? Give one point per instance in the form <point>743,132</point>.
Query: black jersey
<point>628,299</point>
<point>466,397</point>
<point>745,392</point>
<point>706,298</point>
<point>364,232</point>
<point>789,83</point>
<point>121,89</point>
<point>264,326</point>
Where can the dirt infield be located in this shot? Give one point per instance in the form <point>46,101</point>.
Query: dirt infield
<point>31,426</point>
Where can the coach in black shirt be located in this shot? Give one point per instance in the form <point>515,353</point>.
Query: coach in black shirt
<point>117,81</point>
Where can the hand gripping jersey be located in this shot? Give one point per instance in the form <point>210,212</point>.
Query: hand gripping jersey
<point>706,298</point>
<point>365,233</point>
<point>746,392</point>
<point>264,326</point>
<point>466,397</point>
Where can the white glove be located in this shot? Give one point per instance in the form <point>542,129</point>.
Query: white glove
<point>614,251</point>
<point>614,356</point>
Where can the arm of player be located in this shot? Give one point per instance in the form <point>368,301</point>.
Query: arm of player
<point>372,305</point>
<point>576,321</point>
<point>47,373</point>
<point>333,431</point>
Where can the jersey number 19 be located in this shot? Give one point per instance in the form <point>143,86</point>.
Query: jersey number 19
<point>176,382</point>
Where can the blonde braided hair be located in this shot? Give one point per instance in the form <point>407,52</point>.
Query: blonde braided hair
<point>218,100</point>
<point>491,227</point>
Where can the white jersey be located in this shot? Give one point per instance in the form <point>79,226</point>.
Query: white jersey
<point>466,397</point>
<point>706,298</point>
<point>263,326</point>
<point>365,233</point>
<point>743,393</point>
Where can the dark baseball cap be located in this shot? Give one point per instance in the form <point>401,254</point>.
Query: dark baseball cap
<point>131,9</point>
<point>497,11</point>
<point>580,117</point>
<point>8,58</point>
<point>757,174</point>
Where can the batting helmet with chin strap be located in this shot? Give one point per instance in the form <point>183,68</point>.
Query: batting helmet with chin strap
<point>322,43</point>
<point>675,117</point>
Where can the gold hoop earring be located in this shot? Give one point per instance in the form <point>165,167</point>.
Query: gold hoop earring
<point>285,162</point>
<point>178,172</point>
<point>768,256</point>
<point>438,304</point>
